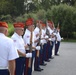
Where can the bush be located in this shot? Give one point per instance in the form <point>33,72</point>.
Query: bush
<point>7,18</point>
<point>65,16</point>
<point>10,29</point>
<point>24,17</point>
<point>41,14</point>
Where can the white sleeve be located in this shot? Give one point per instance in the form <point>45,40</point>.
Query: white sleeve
<point>16,44</point>
<point>26,39</point>
<point>13,54</point>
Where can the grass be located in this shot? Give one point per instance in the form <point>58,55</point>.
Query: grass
<point>69,40</point>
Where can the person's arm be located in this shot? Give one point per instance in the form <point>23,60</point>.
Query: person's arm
<point>26,46</point>
<point>21,54</point>
<point>12,67</point>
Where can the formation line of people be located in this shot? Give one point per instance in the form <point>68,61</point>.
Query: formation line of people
<point>27,50</point>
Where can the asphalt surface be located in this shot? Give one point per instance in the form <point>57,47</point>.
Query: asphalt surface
<point>65,64</point>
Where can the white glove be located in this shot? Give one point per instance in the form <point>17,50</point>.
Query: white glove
<point>27,48</point>
<point>62,38</point>
<point>42,42</point>
<point>56,42</point>
<point>49,39</point>
<point>54,33</point>
<point>37,47</point>
<point>28,55</point>
<point>46,37</point>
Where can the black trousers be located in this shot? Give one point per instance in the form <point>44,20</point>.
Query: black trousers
<point>4,72</point>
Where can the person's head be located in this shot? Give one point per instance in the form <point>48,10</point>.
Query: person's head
<point>38,23</point>
<point>29,24</point>
<point>4,28</point>
<point>51,24</point>
<point>43,25</point>
<point>19,28</point>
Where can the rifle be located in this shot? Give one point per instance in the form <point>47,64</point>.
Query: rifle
<point>30,48</point>
<point>47,31</point>
<point>39,40</point>
<point>57,29</point>
<point>58,26</point>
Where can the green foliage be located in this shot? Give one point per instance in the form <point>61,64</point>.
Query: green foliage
<point>69,40</point>
<point>65,15</point>
<point>12,7</point>
<point>10,29</point>
<point>24,17</point>
<point>4,6</point>
<point>41,14</point>
<point>7,18</point>
<point>20,19</point>
<point>19,7</point>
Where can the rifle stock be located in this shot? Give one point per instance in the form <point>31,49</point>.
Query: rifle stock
<point>30,47</point>
<point>39,41</point>
<point>58,27</point>
<point>47,31</point>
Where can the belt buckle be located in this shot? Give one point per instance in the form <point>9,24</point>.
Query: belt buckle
<point>1,68</point>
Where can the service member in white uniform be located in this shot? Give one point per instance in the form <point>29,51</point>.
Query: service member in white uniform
<point>27,35</point>
<point>37,32</point>
<point>52,36</point>
<point>58,40</point>
<point>27,39</point>
<point>20,46</point>
<point>8,52</point>
<point>43,45</point>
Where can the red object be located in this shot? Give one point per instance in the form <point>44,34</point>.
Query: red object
<point>3,24</point>
<point>29,22</point>
<point>19,24</point>
<point>43,25</point>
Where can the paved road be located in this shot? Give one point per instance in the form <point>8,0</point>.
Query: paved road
<point>65,64</point>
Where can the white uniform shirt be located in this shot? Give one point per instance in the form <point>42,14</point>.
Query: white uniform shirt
<point>27,36</point>
<point>51,31</point>
<point>58,36</point>
<point>43,35</point>
<point>36,31</point>
<point>7,50</point>
<point>19,42</point>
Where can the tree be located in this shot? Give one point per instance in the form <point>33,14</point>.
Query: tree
<point>19,7</point>
<point>69,2</point>
<point>5,7</point>
<point>65,15</point>
<point>13,7</point>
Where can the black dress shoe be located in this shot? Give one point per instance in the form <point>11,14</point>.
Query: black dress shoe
<point>43,64</point>
<point>37,70</point>
<point>52,57</point>
<point>48,60</point>
<point>56,54</point>
<point>41,69</point>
